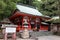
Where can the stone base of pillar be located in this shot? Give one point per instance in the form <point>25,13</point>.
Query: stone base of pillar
<point>25,33</point>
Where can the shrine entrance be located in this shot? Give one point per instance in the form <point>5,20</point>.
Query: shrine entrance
<point>25,21</point>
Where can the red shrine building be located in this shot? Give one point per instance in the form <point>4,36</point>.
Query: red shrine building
<point>28,17</point>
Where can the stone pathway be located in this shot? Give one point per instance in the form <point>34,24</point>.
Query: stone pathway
<point>42,38</point>
<point>42,35</point>
<point>49,38</point>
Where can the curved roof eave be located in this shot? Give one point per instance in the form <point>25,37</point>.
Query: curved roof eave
<point>29,10</point>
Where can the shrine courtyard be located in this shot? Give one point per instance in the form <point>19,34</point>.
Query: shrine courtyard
<point>42,35</point>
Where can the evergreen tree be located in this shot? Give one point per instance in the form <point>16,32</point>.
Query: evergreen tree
<point>49,7</point>
<point>7,7</point>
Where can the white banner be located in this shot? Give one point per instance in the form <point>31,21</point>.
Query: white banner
<point>10,30</point>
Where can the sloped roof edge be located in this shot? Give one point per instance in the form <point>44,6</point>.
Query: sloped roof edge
<point>28,10</point>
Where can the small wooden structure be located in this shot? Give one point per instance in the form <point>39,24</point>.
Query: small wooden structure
<point>55,27</point>
<point>5,21</point>
<point>9,29</point>
<point>44,26</point>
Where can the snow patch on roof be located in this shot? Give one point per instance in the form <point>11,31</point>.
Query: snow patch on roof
<point>28,10</point>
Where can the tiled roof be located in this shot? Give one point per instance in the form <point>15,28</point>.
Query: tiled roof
<point>28,10</point>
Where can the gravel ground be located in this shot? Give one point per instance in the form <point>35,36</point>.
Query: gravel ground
<point>49,38</point>
<point>41,35</point>
<point>42,38</point>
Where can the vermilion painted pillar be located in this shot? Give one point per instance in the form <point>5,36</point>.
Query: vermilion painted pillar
<point>38,23</point>
<point>22,23</point>
<point>29,26</point>
<point>5,37</point>
<point>14,36</point>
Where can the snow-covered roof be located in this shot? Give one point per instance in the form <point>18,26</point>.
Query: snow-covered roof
<point>28,10</point>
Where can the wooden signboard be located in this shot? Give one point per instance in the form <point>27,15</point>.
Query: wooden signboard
<point>9,29</point>
<point>6,25</point>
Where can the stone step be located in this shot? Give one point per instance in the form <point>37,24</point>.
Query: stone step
<point>19,39</point>
<point>26,39</point>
